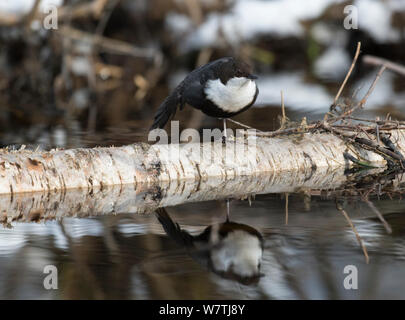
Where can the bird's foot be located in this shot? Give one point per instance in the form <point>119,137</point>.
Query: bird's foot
<point>228,138</point>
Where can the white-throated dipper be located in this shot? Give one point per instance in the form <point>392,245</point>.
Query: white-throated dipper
<point>231,250</point>
<point>222,89</point>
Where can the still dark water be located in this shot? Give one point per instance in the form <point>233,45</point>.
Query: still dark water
<point>129,256</point>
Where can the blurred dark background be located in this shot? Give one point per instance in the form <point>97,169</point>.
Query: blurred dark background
<point>98,78</point>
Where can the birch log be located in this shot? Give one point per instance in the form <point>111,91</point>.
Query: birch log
<point>97,168</point>
<point>146,198</point>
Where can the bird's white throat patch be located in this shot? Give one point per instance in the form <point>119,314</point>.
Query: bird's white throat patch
<point>232,97</point>
<point>241,250</point>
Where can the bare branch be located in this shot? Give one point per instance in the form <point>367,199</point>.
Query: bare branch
<point>376,61</point>
<point>348,73</point>
<point>349,221</point>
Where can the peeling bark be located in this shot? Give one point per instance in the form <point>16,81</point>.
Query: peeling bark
<point>305,155</point>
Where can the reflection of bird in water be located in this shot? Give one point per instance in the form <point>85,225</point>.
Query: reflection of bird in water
<point>231,250</point>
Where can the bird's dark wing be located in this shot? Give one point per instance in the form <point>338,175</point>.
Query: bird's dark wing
<point>181,237</point>
<point>173,230</point>
<point>194,95</point>
<point>167,109</point>
<point>211,70</point>
<point>190,90</point>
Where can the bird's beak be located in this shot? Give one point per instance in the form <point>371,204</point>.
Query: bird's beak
<point>251,76</point>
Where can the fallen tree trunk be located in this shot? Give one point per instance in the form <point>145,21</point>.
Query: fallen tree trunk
<point>303,154</point>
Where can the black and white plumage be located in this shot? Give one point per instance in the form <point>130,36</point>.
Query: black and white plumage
<point>231,250</point>
<point>221,89</point>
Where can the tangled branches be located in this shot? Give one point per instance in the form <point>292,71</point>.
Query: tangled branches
<point>372,135</point>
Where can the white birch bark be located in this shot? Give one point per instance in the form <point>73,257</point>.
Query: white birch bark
<point>27,171</point>
<point>139,178</point>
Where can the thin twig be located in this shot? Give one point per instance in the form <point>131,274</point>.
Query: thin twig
<point>379,215</point>
<point>362,101</point>
<point>280,132</point>
<point>349,221</point>
<point>107,44</point>
<point>377,133</point>
<point>368,120</point>
<point>286,208</point>
<point>31,15</point>
<point>370,90</point>
<point>376,61</point>
<point>106,9</point>
<point>283,119</point>
<point>241,124</point>
<point>348,73</point>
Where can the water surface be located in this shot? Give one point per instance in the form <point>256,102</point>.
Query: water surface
<point>129,256</point>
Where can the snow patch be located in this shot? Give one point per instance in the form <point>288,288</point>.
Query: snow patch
<point>332,64</point>
<point>24,6</point>
<point>375,19</point>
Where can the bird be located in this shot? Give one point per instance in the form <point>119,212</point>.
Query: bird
<point>231,250</point>
<point>222,89</point>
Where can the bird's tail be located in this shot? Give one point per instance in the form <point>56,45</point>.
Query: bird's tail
<point>172,229</point>
<point>166,110</point>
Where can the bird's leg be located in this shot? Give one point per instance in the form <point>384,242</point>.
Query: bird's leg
<point>224,136</point>
<point>227,210</point>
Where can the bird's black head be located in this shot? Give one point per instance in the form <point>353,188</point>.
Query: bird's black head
<point>235,68</point>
